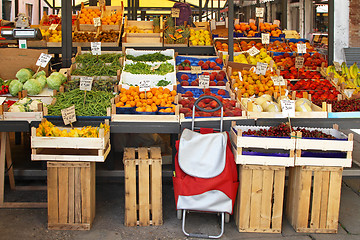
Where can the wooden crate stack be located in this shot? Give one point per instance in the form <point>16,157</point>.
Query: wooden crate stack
<point>259,204</point>
<point>143,194</point>
<point>314,187</point>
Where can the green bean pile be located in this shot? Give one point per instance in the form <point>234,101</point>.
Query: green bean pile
<point>96,103</point>
<point>106,85</point>
<point>143,68</point>
<point>151,57</point>
<point>97,65</point>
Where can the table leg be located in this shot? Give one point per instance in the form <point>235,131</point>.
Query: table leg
<point>9,162</point>
<point>2,166</point>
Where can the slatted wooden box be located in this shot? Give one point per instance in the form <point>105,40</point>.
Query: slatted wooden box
<point>71,195</point>
<point>143,186</point>
<point>259,203</point>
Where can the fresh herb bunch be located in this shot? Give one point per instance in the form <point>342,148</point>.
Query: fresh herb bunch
<point>96,103</point>
<point>151,57</point>
<point>143,68</point>
<point>107,58</point>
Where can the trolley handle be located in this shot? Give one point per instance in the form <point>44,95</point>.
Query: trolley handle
<point>207,110</point>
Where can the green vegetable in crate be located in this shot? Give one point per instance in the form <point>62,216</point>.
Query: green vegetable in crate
<point>163,83</point>
<point>15,87</point>
<point>106,85</point>
<point>151,57</point>
<point>41,73</point>
<point>90,58</point>
<point>54,82</point>
<point>143,68</point>
<point>42,80</point>
<point>24,74</point>
<point>60,75</point>
<point>32,86</point>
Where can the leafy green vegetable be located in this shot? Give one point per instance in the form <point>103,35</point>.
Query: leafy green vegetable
<point>143,68</point>
<point>32,86</point>
<point>151,57</point>
<point>163,83</point>
<point>60,75</point>
<point>15,87</point>
<point>42,80</point>
<point>97,65</point>
<point>23,75</point>
<point>54,82</point>
<point>41,73</point>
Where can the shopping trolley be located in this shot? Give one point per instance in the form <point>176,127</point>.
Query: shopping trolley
<point>205,177</point>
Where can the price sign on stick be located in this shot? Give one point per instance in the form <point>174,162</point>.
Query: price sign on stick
<point>204,81</point>
<point>265,38</point>
<point>259,12</point>
<point>175,12</point>
<point>337,66</point>
<point>96,48</point>
<point>68,115</point>
<point>261,68</point>
<point>288,108</point>
<point>97,22</point>
<point>144,85</point>
<point>301,48</point>
<point>43,60</point>
<point>53,26</point>
<point>253,51</point>
<point>86,83</point>
<point>195,69</point>
<point>299,62</point>
<point>278,81</point>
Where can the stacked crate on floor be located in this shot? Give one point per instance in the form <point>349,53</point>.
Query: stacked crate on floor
<point>143,186</point>
<point>314,187</point>
<point>259,203</point>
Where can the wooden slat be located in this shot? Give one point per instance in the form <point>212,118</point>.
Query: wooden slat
<point>266,204</point>
<point>324,198</point>
<point>334,199</point>
<point>52,192</point>
<point>245,197</point>
<point>85,195</point>
<point>93,190</point>
<point>304,199</point>
<point>84,226</point>
<point>63,176</point>
<point>290,194</point>
<point>71,195</point>
<point>144,195</point>
<point>77,194</point>
<point>256,191</point>
<point>130,192</point>
<point>129,154</point>
<point>279,184</point>
<point>2,165</point>
<point>68,164</point>
<point>156,192</point>
<point>9,163</point>
<point>296,198</point>
<point>316,200</point>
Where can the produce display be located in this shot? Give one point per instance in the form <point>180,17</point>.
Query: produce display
<point>294,73</point>
<point>87,15</point>
<point>95,104</point>
<point>4,86</point>
<point>51,35</point>
<point>320,89</point>
<point>200,37</point>
<point>150,101</point>
<point>103,36</point>
<point>272,29</point>
<point>196,92</point>
<point>248,29</point>
<point>309,48</point>
<point>83,36</point>
<point>151,57</point>
<point>346,105</point>
<point>51,19</point>
<point>112,19</point>
<point>106,85</point>
<point>313,61</point>
<point>348,77</point>
<point>175,34</point>
<point>247,45</point>
<point>216,78</point>
<point>47,129</point>
<point>206,64</point>
<point>143,68</point>
<point>278,46</point>
<point>25,105</point>
<point>223,46</point>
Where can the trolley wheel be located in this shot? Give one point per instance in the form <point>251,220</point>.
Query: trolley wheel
<point>179,214</point>
<point>227,217</point>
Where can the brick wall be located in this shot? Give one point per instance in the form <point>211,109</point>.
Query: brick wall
<point>354,24</point>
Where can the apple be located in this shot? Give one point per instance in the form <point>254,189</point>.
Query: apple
<point>184,77</point>
<point>200,63</point>
<point>184,83</point>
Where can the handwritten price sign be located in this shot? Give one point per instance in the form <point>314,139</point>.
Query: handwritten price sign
<point>299,62</point>
<point>301,48</point>
<point>261,68</point>
<point>204,81</point>
<point>96,48</point>
<point>175,12</point>
<point>265,38</point>
<point>195,69</point>
<point>145,85</point>
<point>86,83</point>
<point>253,51</point>
<point>288,108</point>
<point>43,60</point>
<point>68,115</point>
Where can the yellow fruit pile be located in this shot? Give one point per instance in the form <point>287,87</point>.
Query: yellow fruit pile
<point>253,84</point>
<point>135,29</point>
<point>149,101</point>
<point>200,37</point>
<point>87,15</point>
<point>112,19</point>
<point>47,129</point>
<point>51,35</point>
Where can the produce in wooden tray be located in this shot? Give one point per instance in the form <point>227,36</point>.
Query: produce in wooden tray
<point>51,19</point>
<point>294,73</point>
<point>273,29</point>
<point>47,129</point>
<point>319,89</point>
<point>247,45</point>
<point>346,105</point>
<point>143,68</point>
<point>278,46</point>
<point>151,57</point>
<point>261,57</point>
<point>309,48</point>
<point>224,46</point>
<point>200,37</point>
<point>149,101</point>
<point>25,105</point>
<point>216,79</point>
<point>84,36</point>
<point>241,58</point>
<point>4,86</point>
<point>348,78</point>
<point>175,34</point>
<point>112,19</point>
<point>86,16</point>
<point>97,65</point>
<point>51,35</point>
<point>313,61</point>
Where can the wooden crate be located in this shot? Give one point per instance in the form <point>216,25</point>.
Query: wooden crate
<point>259,203</point>
<point>108,11</point>
<point>71,195</point>
<point>143,195</point>
<point>313,198</point>
<point>21,116</point>
<point>241,143</point>
<point>70,149</point>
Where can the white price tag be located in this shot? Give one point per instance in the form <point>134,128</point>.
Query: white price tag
<point>301,48</point>
<point>288,108</point>
<point>278,81</point>
<point>261,68</point>
<point>175,12</point>
<point>253,51</point>
<point>22,44</point>
<point>154,67</point>
<point>204,81</point>
<point>144,85</point>
<point>43,60</point>
<point>240,76</point>
<point>97,22</point>
<point>299,62</point>
<point>337,66</point>
<point>53,26</point>
<point>259,12</point>
<point>59,13</point>
<point>96,48</point>
<point>2,99</point>
<point>195,69</point>
<point>68,115</point>
<point>265,38</point>
<point>86,83</point>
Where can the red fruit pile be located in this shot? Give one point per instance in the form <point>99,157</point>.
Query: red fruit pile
<point>293,73</point>
<point>52,19</point>
<point>230,109</point>
<point>313,61</point>
<point>218,76</point>
<point>210,65</point>
<point>4,89</point>
<point>314,134</point>
<point>185,65</point>
<point>319,89</point>
<point>9,102</point>
<point>346,105</point>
